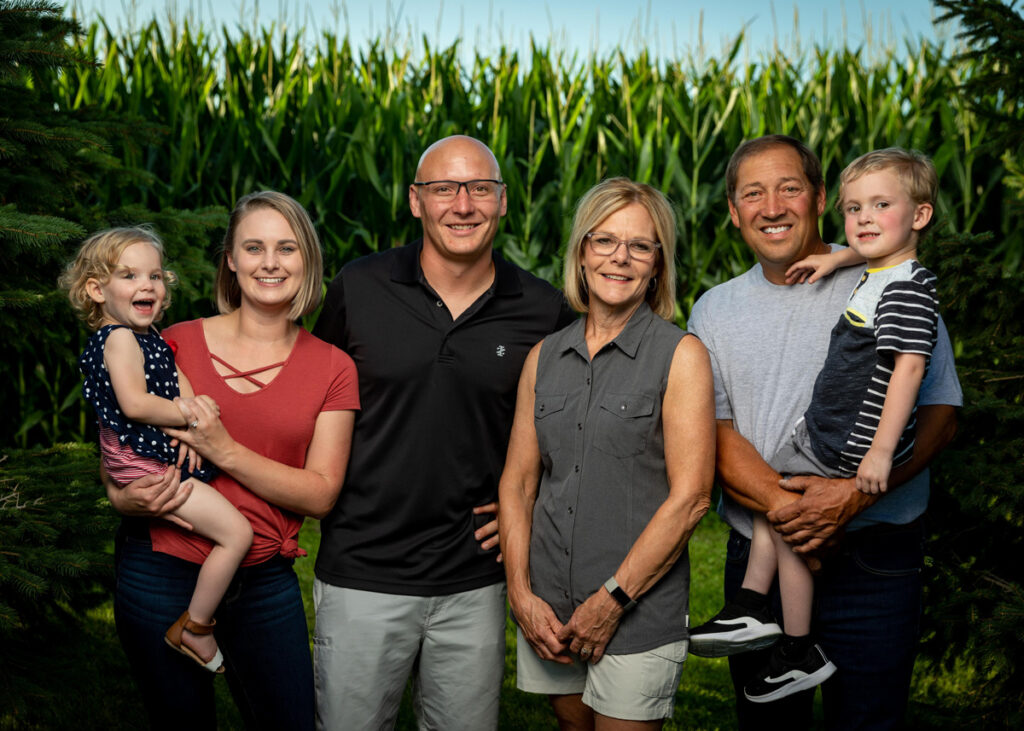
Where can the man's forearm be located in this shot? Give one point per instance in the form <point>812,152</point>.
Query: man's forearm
<point>936,427</point>
<point>744,474</point>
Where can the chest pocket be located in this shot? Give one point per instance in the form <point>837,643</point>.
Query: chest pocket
<point>549,421</point>
<point>623,423</point>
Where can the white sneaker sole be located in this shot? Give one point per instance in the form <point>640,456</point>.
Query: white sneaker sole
<point>813,680</point>
<point>742,639</point>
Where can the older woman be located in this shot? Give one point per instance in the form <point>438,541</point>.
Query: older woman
<point>281,441</point>
<point>609,470</point>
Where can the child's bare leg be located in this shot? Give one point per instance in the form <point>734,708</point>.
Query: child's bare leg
<point>212,516</point>
<point>797,588</point>
<point>762,563</point>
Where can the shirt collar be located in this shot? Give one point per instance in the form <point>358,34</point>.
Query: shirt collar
<point>628,341</point>
<point>407,270</point>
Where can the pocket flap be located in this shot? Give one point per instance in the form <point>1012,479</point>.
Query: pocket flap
<point>546,404</point>
<point>628,405</point>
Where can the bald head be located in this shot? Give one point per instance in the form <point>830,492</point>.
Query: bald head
<point>454,148</point>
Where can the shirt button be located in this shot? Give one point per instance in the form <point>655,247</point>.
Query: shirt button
<point>622,408</point>
<point>579,426</point>
<point>588,381</point>
<point>541,407</point>
<point>565,594</point>
<point>567,552</point>
<point>570,511</point>
<point>576,468</point>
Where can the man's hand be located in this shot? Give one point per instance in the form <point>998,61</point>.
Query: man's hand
<point>824,508</point>
<point>487,534</point>
<point>151,496</point>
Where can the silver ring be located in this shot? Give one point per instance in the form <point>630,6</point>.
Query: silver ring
<point>586,651</point>
<point>194,424</point>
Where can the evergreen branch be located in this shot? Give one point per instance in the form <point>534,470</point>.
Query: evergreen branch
<point>68,137</point>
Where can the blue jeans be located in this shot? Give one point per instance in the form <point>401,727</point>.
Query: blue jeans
<point>867,611</point>
<point>261,629</point>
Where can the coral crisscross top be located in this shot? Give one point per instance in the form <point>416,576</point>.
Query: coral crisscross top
<point>276,421</point>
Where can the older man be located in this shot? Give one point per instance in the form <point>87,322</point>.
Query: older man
<point>768,341</point>
<point>407,578</point>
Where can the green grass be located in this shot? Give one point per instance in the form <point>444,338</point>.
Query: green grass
<point>98,691</point>
<point>704,699</point>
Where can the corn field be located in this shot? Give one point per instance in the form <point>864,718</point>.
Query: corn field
<point>341,129</point>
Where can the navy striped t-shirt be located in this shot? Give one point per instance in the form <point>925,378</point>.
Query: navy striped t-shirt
<point>892,310</point>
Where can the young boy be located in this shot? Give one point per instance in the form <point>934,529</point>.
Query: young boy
<point>861,417</point>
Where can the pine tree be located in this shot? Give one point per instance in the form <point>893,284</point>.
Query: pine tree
<point>977,591</point>
<point>994,33</point>
<point>61,176</point>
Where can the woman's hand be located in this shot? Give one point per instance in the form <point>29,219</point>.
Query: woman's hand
<point>204,432</point>
<point>150,496</point>
<point>592,625</point>
<point>540,627</point>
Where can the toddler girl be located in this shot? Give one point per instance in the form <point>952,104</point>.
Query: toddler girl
<point>118,285</point>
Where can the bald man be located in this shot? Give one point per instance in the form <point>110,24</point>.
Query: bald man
<point>408,578</point>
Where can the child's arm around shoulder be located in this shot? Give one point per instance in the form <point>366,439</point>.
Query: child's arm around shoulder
<point>126,365</point>
<point>816,266</point>
<point>907,374</point>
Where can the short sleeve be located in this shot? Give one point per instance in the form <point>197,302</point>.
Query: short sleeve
<point>698,325</point>
<point>907,317</point>
<point>330,325</point>
<point>941,385</point>
<point>343,392</point>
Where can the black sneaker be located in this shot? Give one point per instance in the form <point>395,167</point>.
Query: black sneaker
<point>784,677</point>
<point>733,630</point>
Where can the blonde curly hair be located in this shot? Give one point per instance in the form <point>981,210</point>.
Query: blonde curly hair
<point>97,259</point>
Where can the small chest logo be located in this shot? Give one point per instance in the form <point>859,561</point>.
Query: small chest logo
<point>500,351</point>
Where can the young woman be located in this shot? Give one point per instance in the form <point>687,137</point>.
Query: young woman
<point>281,441</point>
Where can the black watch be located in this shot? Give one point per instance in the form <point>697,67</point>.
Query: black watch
<point>619,595</point>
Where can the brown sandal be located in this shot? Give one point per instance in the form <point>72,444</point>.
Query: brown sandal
<point>173,638</point>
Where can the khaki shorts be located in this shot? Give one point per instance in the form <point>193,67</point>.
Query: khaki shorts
<point>636,687</point>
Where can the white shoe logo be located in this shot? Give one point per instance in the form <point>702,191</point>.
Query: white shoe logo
<point>791,675</point>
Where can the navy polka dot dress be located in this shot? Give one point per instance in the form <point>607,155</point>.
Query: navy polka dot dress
<point>145,440</point>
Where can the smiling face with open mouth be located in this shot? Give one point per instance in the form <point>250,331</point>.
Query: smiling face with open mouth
<point>134,294</point>
<point>776,210</point>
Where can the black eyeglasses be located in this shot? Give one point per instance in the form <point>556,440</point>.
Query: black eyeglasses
<point>448,189</point>
<point>604,244</point>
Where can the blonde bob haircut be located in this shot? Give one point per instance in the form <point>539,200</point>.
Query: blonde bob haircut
<point>226,288</point>
<point>915,172</point>
<point>601,201</point>
<point>97,259</point>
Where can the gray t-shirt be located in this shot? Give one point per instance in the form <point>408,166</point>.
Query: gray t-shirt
<point>767,343</point>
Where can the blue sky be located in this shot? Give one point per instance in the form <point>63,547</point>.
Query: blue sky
<point>666,27</point>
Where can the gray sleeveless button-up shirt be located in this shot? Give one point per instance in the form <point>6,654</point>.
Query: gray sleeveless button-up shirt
<point>602,446</point>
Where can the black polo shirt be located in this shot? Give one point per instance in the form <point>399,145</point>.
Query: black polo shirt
<point>437,400</point>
